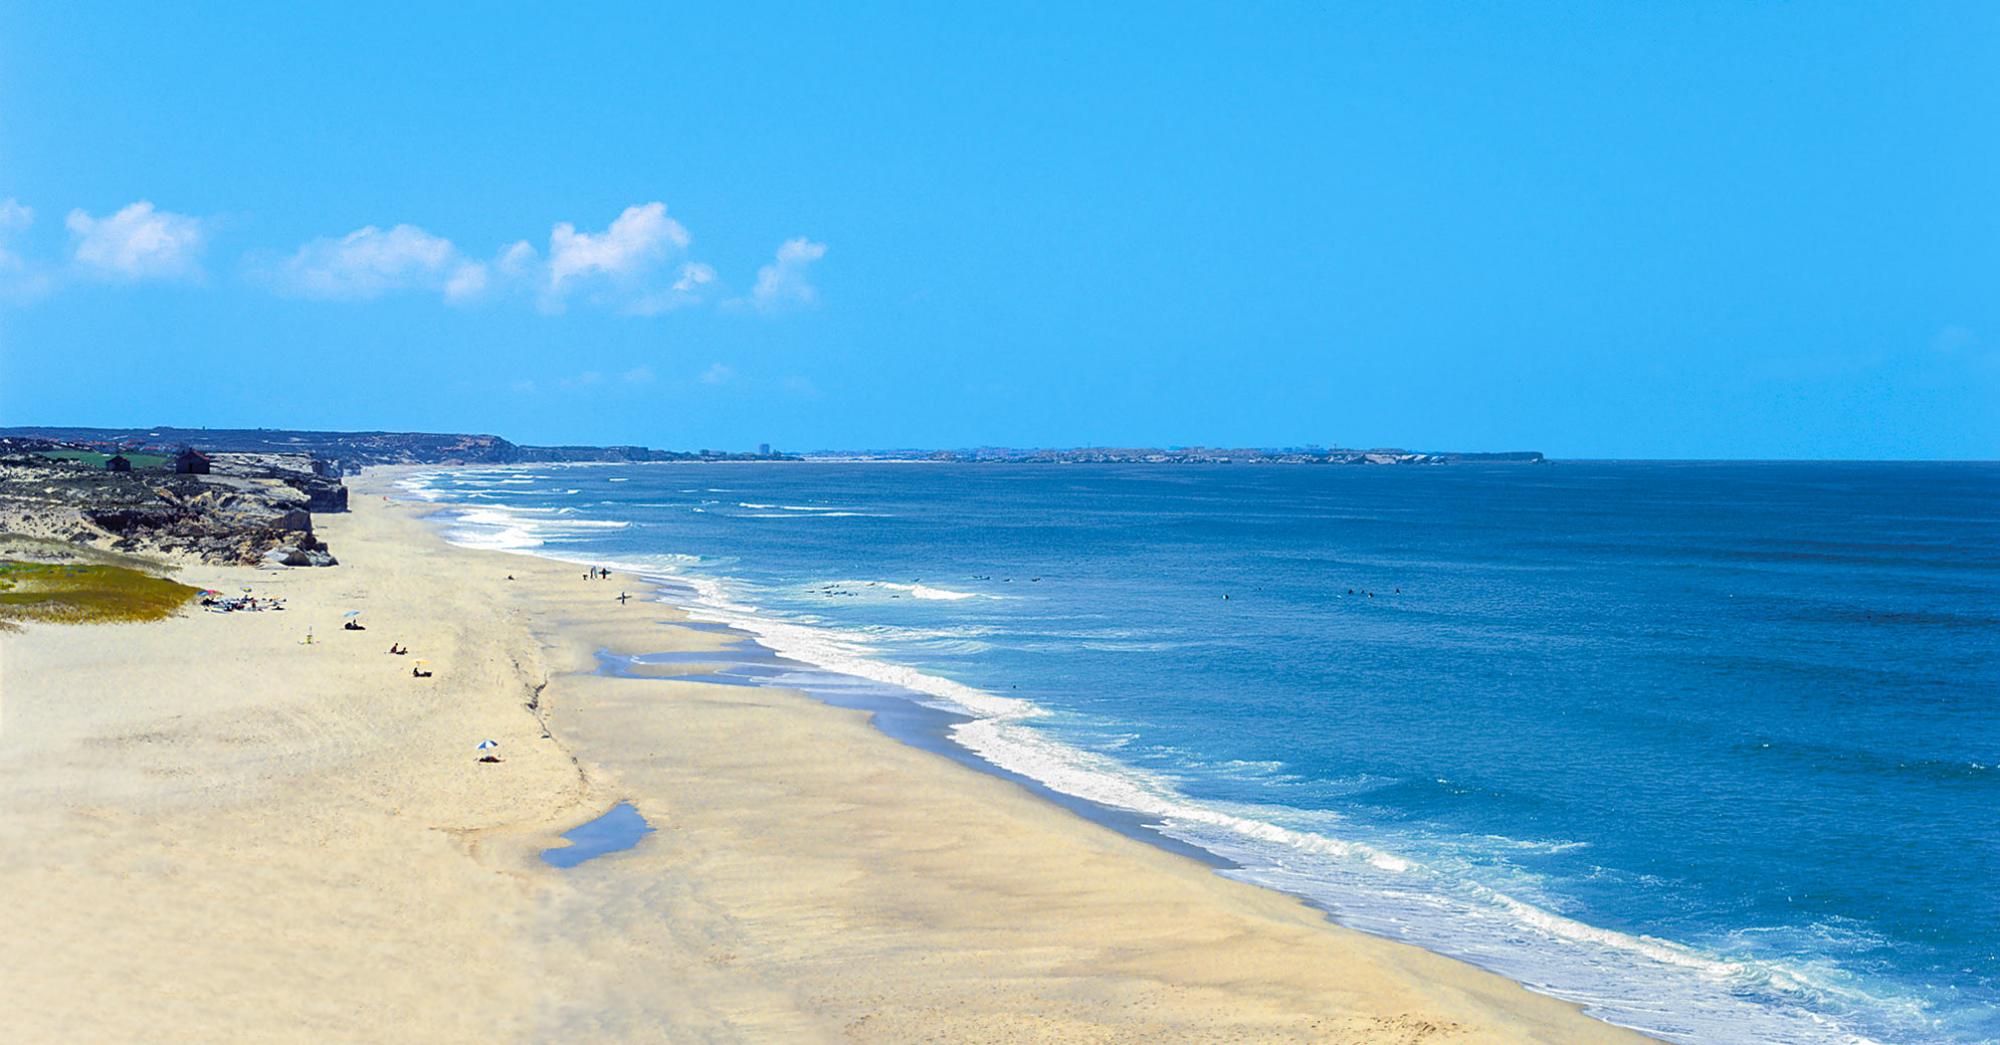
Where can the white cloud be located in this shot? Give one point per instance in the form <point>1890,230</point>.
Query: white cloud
<point>783,283</point>
<point>20,280</point>
<point>370,262</point>
<point>515,270</point>
<point>687,290</point>
<point>618,267</point>
<point>638,375</point>
<point>518,261</point>
<point>716,374</point>
<point>693,276</point>
<point>467,282</point>
<point>15,215</point>
<point>638,264</point>
<point>138,242</point>
<point>637,238</point>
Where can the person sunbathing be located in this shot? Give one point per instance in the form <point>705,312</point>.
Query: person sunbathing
<point>354,625</point>
<point>419,673</point>
<point>398,650</point>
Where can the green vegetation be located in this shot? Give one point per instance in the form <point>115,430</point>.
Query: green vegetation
<point>140,462</point>
<point>67,593</point>
<point>47,549</point>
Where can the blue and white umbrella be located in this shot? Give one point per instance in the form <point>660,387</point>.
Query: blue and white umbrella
<point>488,744</point>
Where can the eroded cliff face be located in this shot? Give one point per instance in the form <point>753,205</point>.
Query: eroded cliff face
<point>317,479</point>
<point>244,514</point>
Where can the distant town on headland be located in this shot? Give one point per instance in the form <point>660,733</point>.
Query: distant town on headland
<point>354,450</point>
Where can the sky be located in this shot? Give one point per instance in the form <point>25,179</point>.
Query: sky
<point>1764,230</point>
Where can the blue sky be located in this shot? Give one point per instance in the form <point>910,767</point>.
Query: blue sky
<point>1600,229</point>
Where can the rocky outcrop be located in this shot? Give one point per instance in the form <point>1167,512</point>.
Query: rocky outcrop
<point>219,518</point>
<point>298,557</point>
<point>246,511</point>
<point>339,452</point>
<point>317,479</point>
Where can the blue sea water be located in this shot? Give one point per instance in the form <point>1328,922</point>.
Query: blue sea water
<point>1710,748</point>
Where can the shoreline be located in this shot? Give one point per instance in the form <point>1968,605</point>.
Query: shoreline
<point>911,720</point>
<point>928,729</point>
<point>255,838</point>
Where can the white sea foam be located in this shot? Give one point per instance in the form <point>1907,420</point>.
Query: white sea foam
<point>419,485</point>
<point>507,528</point>
<point>802,511</point>
<point>899,634</point>
<point>915,591</point>
<point>1656,984</point>
<point>846,654</point>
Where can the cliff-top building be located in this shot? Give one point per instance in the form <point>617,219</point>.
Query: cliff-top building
<point>191,462</point>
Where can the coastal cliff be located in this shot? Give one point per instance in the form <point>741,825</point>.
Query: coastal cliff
<point>249,510</point>
<point>347,452</point>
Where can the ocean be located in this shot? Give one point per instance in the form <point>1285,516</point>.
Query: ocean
<point>1712,749</point>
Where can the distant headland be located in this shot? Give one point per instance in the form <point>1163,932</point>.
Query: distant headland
<point>349,451</point>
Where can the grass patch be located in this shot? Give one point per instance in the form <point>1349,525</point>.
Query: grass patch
<point>64,593</point>
<point>24,548</point>
<point>140,462</point>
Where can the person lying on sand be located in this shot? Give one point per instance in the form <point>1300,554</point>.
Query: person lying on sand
<point>354,625</point>
<point>419,673</point>
<point>491,758</point>
<point>398,649</point>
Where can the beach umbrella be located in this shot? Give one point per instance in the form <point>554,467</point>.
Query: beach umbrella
<point>352,613</point>
<point>487,745</point>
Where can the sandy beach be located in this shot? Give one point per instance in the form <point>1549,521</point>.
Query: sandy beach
<point>216,831</point>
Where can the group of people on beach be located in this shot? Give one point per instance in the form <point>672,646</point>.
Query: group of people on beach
<point>599,573</point>
<point>243,603</point>
<point>398,649</point>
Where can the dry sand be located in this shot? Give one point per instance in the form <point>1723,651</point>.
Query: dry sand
<point>214,832</point>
